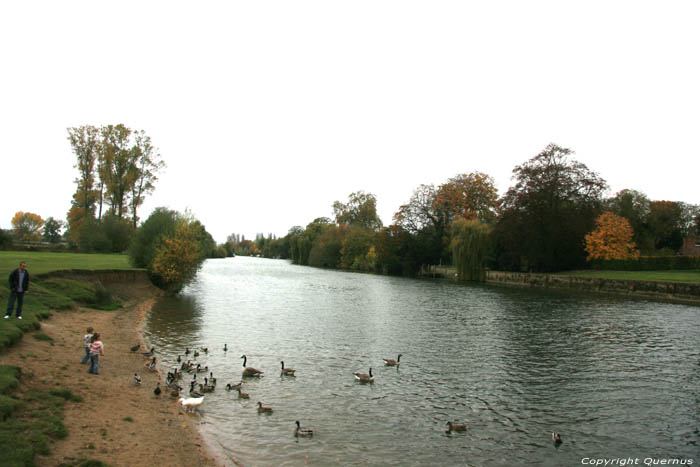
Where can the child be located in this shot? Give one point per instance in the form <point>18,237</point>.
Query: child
<point>87,339</point>
<point>96,349</point>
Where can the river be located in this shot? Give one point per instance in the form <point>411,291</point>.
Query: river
<point>617,378</point>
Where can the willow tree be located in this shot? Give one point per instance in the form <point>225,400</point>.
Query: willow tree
<point>469,245</point>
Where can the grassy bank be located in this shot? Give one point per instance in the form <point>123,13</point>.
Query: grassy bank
<point>689,276</point>
<point>39,262</point>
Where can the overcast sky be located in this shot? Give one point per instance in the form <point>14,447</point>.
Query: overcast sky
<point>266,112</point>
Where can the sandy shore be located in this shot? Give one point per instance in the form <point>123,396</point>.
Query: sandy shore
<point>118,422</point>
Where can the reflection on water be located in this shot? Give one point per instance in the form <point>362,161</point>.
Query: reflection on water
<point>616,378</point>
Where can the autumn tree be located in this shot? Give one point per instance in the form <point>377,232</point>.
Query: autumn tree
<point>27,226</point>
<point>611,239</point>
<point>545,216</point>
<point>178,257</point>
<point>469,196</point>
<point>469,244</point>
<point>357,244</point>
<point>359,211</point>
<point>85,142</point>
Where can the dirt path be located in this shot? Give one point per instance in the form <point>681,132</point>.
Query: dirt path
<point>118,422</point>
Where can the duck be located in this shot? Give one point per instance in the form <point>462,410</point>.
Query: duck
<point>262,409</point>
<point>150,353</point>
<point>152,366</point>
<point>363,377</point>
<point>230,386</point>
<point>556,438</point>
<point>243,395</point>
<point>287,371</point>
<point>452,427</point>
<point>137,379</point>
<point>190,403</point>
<point>249,370</point>
<point>302,431</point>
<point>157,390</point>
<point>392,362</point>
<point>225,347</point>
<point>134,348</point>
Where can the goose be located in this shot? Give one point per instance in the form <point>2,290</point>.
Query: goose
<point>150,353</point>
<point>157,390</point>
<point>193,392</point>
<point>202,369</point>
<point>137,379</point>
<point>134,348</point>
<point>152,366</point>
<point>244,395</point>
<point>230,386</point>
<point>196,354</point>
<point>452,427</point>
<point>392,362</point>
<point>302,431</point>
<point>187,351</point>
<point>203,389</point>
<point>204,349</point>
<point>212,380</point>
<point>363,377</point>
<point>287,371</point>
<point>179,359</point>
<point>556,438</point>
<point>225,348</point>
<point>249,370</point>
<point>191,403</point>
<point>262,409</point>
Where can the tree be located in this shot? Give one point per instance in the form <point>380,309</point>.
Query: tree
<point>544,217</point>
<point>84,141</point>
<point>425,221</point>
<point>634,206</point>
<point>147,238</point>
<point>470,196</point>
<point>116,166</point>
<point>27,226</point>
<point>420,212</point>
<point>665,222</point>
<point>325,251</point>
<point>469,244</point>
<point>146,164</point>
<point>52,231</point>
<point>178,258</point>
<point>359,211</point>
<point>611,239</point>
<point>356,245</point>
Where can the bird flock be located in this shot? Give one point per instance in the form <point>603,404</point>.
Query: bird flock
<point>198,387</point>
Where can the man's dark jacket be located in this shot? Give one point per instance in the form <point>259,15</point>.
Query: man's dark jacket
<point>14,280</point>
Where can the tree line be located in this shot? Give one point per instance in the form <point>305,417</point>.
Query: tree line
<point>554,217</point>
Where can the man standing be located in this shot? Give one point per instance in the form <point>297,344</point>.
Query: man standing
<point>19,285</point>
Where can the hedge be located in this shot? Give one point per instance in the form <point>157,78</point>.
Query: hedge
<point>648,263</point>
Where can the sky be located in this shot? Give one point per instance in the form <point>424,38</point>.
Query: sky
<point>267,112</point>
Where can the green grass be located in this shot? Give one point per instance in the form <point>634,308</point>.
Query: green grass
<point>40,336</point>
<point>689,276</point>
<point>39,262</point>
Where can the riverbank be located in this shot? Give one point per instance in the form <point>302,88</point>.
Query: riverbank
<point>118,423</point>
<point>682,292</point>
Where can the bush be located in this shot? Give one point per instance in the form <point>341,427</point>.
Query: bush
<point>147,238</point>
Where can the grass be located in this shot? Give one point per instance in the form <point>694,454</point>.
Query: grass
<point>40,336</point>
<point>688,276</point>
<point>42,262</point>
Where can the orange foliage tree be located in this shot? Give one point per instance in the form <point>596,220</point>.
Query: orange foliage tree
<point>27,226</point>
<point>611,239</point>
<point>178,258</point>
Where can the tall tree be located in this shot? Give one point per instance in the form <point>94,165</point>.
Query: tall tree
<point>470,196</point>
<point>27,226</point>
<point>546,214</point>
<point>146,164</point>
<point>84,141</point>
<point>469,244</point>
<point>116,167</point>
<point>359,211</point>
<point>611,239</point>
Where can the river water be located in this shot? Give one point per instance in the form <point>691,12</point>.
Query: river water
<point>617,378</point>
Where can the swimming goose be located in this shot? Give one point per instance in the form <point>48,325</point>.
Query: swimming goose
<point>134,348</point>
<point>203,389</point>
<point>230,386</point>
<point>452,427</point>
<point>137,379</point>
<point>249,370</point>
<point>392,362</point>
<point>302,431</point>
<point>187,351</point>
<point>179,359</point>
<point>556,438</point>
<point>243,395</point>
<point>212,380</point>
<point>225,348</point>
<point>193,392</point>
<point>196,354</point>
<point>191,403</point>
<point>204,349</point>
<point>157,390</point>
<point>262,409</point>
<point>149,353</point>
<point>287,371</point>
<point>363,377</point>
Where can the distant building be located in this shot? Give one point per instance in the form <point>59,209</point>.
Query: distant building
<point>691,246</point>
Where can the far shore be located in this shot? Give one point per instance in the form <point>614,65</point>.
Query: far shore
<point>118,423</point>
